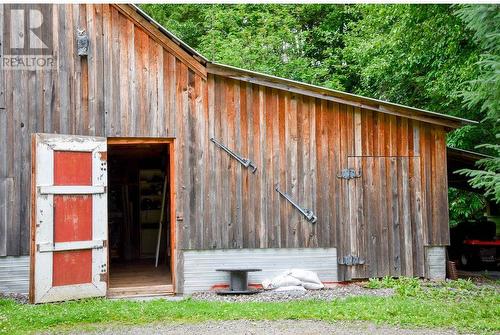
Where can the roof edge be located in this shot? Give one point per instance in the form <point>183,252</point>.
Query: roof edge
<point>323,92</point>
<point>476,155</point>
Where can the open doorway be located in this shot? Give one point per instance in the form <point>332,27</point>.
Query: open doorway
<point>139,201</point>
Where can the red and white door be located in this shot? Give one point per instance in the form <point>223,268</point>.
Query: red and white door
<point>69,253</point>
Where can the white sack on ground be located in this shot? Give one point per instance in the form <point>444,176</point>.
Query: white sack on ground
<point>305,276</point>
<point>281,280</point>
<point>294,277</point>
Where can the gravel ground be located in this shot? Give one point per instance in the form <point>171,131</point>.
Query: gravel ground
<point>287,327</point>
<point>21,298</point>
<point>335,292</point>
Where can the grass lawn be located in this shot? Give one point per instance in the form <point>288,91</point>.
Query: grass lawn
<point>460,305</point>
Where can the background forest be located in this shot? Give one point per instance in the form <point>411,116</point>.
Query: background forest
<point>436,57</point>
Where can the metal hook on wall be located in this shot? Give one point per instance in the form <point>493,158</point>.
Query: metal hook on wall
<point>309,215</point>
<point>242,160</point>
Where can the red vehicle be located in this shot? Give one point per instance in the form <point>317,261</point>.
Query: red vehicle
<point>477,252</point>
<point>475,245</point>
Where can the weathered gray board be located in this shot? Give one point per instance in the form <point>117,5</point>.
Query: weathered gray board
<point>435,263</point>
<point>200,265</point>
<point>14,274</point>
<point>6,203</point>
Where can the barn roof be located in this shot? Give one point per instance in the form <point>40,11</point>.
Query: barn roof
<point>448,121</point>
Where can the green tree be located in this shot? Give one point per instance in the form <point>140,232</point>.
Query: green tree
<point>483,93</point>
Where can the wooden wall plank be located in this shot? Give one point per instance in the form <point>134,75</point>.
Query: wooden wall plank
<point>304,156</point>
<point>264,191</point>
<point>251,181</point>
<point>153,121</point>
<point>384,219</point>
<point>183,180</point>
<point>276,221</point>
<point>196,133</point>
<point>5,140</point>
<point>2,73</point>
<point>322,194</point>
<point>209,210</point>
<point>332,118</point>
<point>269,111</point>
<point>244,227</point>
<point>6,206</point>
<point>292,168</point>
<point>218,102</point>
<point>312,202</point>
<point>282,145</point>
<point>232,166</point>
<point>257,155</point>
<point>416,212</point>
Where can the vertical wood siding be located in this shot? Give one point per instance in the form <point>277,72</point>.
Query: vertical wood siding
<point>134,84</point>
<point>126,86</point>
<point>300,143</point>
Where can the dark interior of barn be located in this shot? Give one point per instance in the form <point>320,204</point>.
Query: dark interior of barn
<point>138,200</point>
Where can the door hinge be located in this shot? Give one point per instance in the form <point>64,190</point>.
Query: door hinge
<point>349,174</point>
<point>351,260</point>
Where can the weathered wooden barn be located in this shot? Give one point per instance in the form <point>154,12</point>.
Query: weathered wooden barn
<point>94,151</point>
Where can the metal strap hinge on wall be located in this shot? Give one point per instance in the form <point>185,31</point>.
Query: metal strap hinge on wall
<point>71,189</point>
<point>349,174</point>
<point>351,260</point>
<point>309,215</point>
<point>242,160</point>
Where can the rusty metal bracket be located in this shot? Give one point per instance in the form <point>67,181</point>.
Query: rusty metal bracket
<point>243,161</point>
<point>350,260</point>
<point>349,174</point>
<point>305,211</point>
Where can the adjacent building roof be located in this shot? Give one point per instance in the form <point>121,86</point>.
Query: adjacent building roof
<point>448,121</point>
<point>458,159</point>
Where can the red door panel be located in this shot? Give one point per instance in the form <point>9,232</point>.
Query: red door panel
<point>72,168</point>
<point>72,267</point>
<point>72,218</point>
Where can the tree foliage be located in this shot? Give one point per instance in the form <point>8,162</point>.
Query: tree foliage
<point>483,93</point>
<point>465,206</point>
